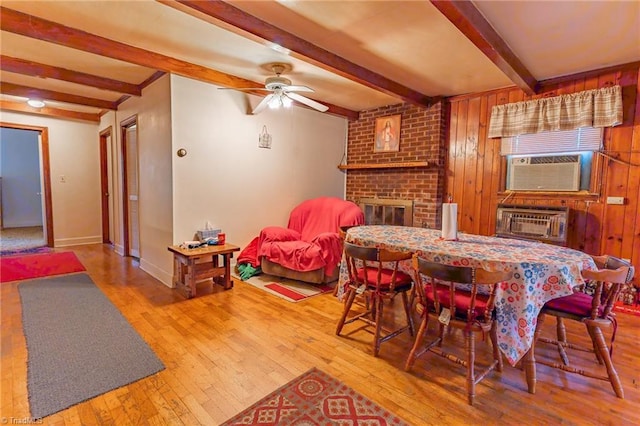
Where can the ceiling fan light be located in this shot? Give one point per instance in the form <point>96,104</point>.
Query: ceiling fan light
<point>286,101</point>
<point>275,102</point>
<point>35,103</point>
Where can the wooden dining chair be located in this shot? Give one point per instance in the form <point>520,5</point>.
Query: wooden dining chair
<point>342,233</point>
<point>374,274</point>
<point>468,308</point>
<point>594,310</point>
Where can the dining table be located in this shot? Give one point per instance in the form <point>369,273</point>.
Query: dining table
<point>541,272</point>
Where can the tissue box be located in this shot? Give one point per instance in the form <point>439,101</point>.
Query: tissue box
<point>203,234</point>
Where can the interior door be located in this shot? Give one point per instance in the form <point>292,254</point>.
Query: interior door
<point>132,190</point>
<point>130,206</point>
<point>106,186</point>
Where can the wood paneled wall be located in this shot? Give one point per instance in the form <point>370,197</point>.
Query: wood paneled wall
<point>475,169</point>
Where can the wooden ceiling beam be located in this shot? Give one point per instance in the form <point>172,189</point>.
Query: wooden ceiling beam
<point>48,111</point>
<point>469,20</point>
<point>41,94</point>
<point>300,48</point>
<point>35,69</point>
<point>31,26</point>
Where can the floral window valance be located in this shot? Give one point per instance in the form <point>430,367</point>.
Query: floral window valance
<point>591,108</point>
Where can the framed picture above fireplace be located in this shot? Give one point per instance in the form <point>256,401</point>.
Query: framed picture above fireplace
<point>387,136</point>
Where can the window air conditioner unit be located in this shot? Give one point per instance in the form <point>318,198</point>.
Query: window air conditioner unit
<point>548,173</point>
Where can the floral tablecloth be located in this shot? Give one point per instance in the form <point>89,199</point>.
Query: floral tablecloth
<point>541,272</point>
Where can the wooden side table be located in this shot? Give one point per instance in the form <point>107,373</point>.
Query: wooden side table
<point>193,265</point>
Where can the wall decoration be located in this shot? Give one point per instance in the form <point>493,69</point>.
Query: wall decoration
<point>387,137</point>
<point>264,139</point>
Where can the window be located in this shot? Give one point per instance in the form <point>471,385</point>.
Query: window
<point>551,161</point>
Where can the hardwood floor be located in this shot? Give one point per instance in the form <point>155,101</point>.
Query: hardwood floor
<point>224,350</point>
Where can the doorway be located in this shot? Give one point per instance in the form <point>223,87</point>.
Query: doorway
<point>28,202</point>
<point>107,185</point>
<point>131,220</point>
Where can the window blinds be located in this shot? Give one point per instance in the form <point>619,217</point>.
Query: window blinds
<point>582,139</point>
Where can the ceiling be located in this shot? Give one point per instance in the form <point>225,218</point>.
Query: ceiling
<point>85,57</point>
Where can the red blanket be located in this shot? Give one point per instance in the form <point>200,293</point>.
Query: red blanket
<point>311,239</point>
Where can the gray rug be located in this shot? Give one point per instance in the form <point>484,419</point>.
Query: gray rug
<point>79,345</point>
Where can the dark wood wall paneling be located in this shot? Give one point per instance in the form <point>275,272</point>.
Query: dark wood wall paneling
<point>475,170</point>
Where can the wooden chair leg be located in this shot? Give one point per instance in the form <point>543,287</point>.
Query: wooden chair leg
<point>471,359</point>
<point>407,311</point>
<point>497,355</point>
<point>590,330</point>
<point>601,347</point>
<point>417,349</point>
<point>561,333</point>
<point>441,328</point>
<point>351,295</point>
<point>378,302</point>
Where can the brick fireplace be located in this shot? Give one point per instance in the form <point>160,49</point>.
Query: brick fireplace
<point>401,175</point>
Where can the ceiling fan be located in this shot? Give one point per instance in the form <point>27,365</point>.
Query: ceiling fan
<point>283,92</point>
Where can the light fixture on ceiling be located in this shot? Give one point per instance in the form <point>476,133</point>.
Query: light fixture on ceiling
<point>35,103</point>
<point>279,99</point>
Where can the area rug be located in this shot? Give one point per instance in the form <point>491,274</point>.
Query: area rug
<point>78,344</point>
<point>627,309</point>
<point>16,268</point>
<point>315,398</point>
<point>22,252</point>
<point>290,290</point>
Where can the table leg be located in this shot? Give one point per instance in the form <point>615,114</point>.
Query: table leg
<point>176,271</point>
<point>530,359</point>
<point>190,279</point>
<point>226,259</point>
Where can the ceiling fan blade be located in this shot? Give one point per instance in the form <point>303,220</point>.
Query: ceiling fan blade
<point>243,88</point>
<point>308,102</point>
<point>263,104</point>
<point>293,88</point>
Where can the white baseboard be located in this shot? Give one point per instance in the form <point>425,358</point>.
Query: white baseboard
<point>67,242</point>
<point>119,249</point>
<point>161,275</point>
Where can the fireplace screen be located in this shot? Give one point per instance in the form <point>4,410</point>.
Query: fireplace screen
<point>548,224</point>
<point>378,211</point>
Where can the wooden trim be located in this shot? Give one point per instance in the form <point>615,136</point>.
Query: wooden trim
<point>552,81</point>
<point>30,92</point>
<point>384,165</point>
<point>124,124</point>
<point>155,76</point>
<point>48,111</point>
<point>46,174</point>
<point>590,74</point>
<point>465,17</point>
<point>21,66</point>
<point>104,182</point>
<point>242,23</point>
<point>44,30</point>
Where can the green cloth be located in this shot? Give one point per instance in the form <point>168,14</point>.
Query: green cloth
<point>247,271</point>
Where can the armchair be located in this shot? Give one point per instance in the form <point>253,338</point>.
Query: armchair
<point>309,249</point>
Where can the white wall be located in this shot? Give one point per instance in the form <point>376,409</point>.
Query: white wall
<point>22,194</point>
<point>74,153</point>
<point>153,111</point>
<point>227,180</point>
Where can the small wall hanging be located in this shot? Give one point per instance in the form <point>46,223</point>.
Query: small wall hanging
<point>264,139</point>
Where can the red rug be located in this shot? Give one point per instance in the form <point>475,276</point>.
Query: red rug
<point>627,309</point>
<point>315,398</point>
<point>16,268</point>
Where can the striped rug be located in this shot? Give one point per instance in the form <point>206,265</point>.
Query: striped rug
<point>290,290</point>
